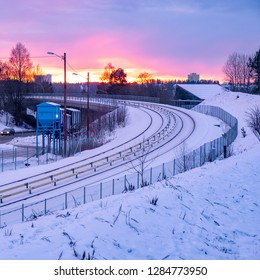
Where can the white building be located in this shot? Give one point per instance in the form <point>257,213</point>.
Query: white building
<point>193,77</point>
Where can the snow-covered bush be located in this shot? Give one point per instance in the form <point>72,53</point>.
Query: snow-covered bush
<point>253,118</point>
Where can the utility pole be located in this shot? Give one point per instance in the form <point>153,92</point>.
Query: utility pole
<point>65,107</point>
<point>88,106</point>
<point>64,58</point>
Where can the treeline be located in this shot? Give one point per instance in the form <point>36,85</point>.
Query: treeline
<point>242,72</point>
<point>114,82</point>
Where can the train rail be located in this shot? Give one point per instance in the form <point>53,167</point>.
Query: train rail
<point>171,125</point>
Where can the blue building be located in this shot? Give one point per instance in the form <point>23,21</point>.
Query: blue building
<point>48,124</point>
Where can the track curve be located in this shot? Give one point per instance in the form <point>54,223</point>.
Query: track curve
<point>98,168</point>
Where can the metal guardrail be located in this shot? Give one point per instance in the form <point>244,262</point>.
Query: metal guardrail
<point>84,194</point>
<point>89,166</point>
<point>111,97</point>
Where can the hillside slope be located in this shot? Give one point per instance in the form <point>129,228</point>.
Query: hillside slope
<point>211,212</point>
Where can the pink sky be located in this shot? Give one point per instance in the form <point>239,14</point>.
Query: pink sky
<point>169,38</point>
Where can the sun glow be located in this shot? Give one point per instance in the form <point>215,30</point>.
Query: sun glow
<point>95,74</point>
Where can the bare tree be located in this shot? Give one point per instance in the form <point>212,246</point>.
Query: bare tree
<point>4,71</point>
<point>4,75</point>
<point>237,70</point>
<point>20,64</point>
<point>245,70</point>
<point>145,78</point>
<point>253,119</point>
<point>16,72</point>
<point>183,158</point>
<point>105,77</point>
<point>14,99</point>
<point>141,164</point>
<point>118,76</point>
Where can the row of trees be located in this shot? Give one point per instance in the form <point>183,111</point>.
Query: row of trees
<point>241,70</point>
<point>113,81</point>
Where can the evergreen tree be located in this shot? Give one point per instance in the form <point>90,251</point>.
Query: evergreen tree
<point>254,64</point>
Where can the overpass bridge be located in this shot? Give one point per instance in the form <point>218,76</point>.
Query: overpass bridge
<point>94,103</point>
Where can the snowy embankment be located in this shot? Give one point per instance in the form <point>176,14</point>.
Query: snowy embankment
<point>211,212</point>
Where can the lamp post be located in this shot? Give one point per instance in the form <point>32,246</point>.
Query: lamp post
<point>63,57</point>
<point>87,100</point>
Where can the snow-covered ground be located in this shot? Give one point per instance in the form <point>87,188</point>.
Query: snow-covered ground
<point>211,212</point>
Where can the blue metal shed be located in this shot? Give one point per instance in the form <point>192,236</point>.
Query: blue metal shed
<point>48,114</point>
<point>48,122</point>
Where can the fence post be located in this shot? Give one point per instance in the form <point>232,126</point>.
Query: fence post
<point>204,160</point>
<point>173,167</point>
<point>217,153</point>
<point>2,160</point>
<point>113,186</point>
<point>100,194</point>
<point>151,175</point>
<point>45,206</point>
<point>163,171</point>
<point>15,159</point>
<point>125,182</point>
<point>213,153</point>
<point>225,151</point>
<point>66,200</point>
<point>27,152</point>
<point>84,195</point>
<point>225,145</point>
<point>13,153</point>
<point>200,155</point>
<point>22,212</point>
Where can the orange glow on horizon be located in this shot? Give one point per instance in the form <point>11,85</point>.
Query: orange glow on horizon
<point>94,75</point>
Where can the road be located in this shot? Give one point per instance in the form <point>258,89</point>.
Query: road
<point>6,139</point>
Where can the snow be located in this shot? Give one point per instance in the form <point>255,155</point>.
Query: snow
<point>203,91</point>
<point>211,212</point>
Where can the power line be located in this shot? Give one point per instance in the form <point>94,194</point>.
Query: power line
<point>43,56</point>
<point>39,56</point>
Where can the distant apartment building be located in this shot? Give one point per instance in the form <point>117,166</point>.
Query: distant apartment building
<point>42,83</point>
<point>193,77</point>
<point>43,79</point>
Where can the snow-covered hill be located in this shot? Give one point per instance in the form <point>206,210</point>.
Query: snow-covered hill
<point>211,212</point>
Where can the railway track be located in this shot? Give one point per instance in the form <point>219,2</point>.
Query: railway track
<point>95,167</point>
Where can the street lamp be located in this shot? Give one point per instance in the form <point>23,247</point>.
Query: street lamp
<point>63,57</point>
<point>87,101</point>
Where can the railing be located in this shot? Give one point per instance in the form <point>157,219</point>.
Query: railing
<point>79,99</point>
<point>140,178</point>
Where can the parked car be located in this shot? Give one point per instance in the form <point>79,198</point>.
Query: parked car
<point>7,131</point>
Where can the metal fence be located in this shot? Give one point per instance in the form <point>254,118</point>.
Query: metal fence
<point>86,193</point>
<point>24,156</point>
